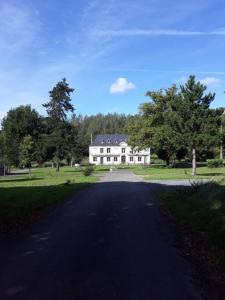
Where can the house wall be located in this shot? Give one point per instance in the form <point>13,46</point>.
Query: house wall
<point>139,157</point>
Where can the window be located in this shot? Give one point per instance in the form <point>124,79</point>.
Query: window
<point>108,150</point>
<point>131,158</point>
<point>108,158</point>
<point>94,158</point>
<point>101,150</point>
<point>115,141</point>
<point>139,158</point>
<point>115,158</point>
<point>123,150</point>
<point>108,141</point>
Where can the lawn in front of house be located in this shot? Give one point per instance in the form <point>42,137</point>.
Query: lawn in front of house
<point>167,173</point>
<point>23,197</point>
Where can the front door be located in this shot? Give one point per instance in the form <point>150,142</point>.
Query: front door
<point>101,160</point>
<point>123,159</point>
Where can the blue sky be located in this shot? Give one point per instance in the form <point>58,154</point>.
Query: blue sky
<point>110,51</point>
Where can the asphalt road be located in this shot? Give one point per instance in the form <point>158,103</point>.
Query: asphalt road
<point>109,241</point>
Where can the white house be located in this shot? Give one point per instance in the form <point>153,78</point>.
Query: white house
<point>112,149</point>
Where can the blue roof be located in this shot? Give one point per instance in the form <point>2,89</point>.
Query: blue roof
<point>109,139</point>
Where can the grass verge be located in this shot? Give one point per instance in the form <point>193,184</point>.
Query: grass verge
<point>24,197</point>
<point>200,212</point>
<point>169,173</point>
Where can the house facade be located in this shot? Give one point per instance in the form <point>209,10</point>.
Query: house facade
<point>113,149</point>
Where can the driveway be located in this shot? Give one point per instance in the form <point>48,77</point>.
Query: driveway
<point>108,241</point>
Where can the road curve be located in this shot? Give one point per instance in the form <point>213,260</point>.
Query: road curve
<point>108,241</point>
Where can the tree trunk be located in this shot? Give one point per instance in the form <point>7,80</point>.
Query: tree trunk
<point>71,162</point>
<point>221,150</point>
<point>57,166</point>
<point>193,161</point>
<point>4,170</point>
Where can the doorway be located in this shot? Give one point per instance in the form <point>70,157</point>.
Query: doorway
<point>123,159</point>
<point>101,160</point>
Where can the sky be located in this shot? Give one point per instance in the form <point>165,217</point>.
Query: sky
<point>111,52</point>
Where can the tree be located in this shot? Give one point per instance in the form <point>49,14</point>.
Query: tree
<point>18,123</point>
<point>57,109</point>
<point>26,152</point>
<point>222,137</point>
<point>155,125</point>
<point>196,122</point>
<point>3,156</point>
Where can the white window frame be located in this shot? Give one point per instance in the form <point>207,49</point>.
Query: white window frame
<point>108,158</point>
<point>139,158</point>
<point>101,150</point>
<point>123,150</point>
<point>108,150</point>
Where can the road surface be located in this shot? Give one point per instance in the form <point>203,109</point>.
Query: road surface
<point>108,241</point>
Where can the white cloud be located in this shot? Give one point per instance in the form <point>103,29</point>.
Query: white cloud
<point>121,85</point>
<point>210,81</point>
<point>157,32</point>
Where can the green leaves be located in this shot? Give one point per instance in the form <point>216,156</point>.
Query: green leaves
<point>176,120</point>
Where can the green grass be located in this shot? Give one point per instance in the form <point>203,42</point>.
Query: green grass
<point>200,211</point>
<point>24,197</point>
<point>166,173</point>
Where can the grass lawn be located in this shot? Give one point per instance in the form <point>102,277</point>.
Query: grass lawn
<point>200,211</point>
<point>166,173</point>
<point>23,197</point>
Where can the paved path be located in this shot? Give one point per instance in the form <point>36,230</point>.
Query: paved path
<point>107,242</point>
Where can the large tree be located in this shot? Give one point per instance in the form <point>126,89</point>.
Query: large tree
<point>18,123</point>
<point>155,125</point>
<point>57,108</point>
<point>197,123</point>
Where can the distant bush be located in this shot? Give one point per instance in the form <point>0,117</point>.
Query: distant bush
<point>215,163</point>
<point>88,170</point>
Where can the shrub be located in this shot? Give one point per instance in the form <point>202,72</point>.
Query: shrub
<point>215,163</point>
<point>88,170</point>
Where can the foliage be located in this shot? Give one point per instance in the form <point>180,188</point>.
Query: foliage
<point>26,149</point>
<point>18,123</point>
<point>88,170</point>
<point>177,122</point>
<point>88,126</point>
<point>215,163</point>
<point>57,108</point>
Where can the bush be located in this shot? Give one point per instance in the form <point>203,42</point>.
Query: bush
<point>215,163</point>
<point>88,170</point>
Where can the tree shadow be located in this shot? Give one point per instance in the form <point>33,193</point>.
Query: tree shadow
<point>212,174</point>
<point>20,179</point>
